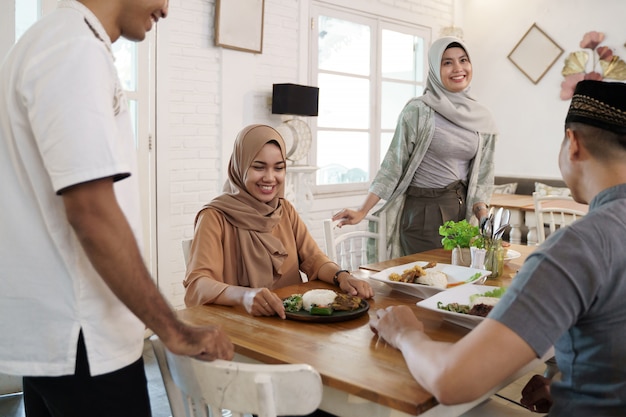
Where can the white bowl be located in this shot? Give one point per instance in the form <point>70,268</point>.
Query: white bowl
<point>511,254</point>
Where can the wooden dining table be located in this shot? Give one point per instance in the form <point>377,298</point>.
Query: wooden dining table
<point>362,375</point>
<point>522,209</point>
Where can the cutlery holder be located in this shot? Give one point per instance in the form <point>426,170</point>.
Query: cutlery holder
<point>494,258</point>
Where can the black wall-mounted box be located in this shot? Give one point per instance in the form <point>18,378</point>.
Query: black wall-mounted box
<point>300,100</point>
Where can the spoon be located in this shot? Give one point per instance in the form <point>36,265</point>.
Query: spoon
<point>500,231</point>
<point>497,221</point>
<point>486,226</point>
<point>506,216</point>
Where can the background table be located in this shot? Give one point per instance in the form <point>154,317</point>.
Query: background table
<point>522,208</point>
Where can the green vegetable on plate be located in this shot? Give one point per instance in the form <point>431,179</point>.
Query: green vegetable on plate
<point>293,303</point>
<point>321,311</point>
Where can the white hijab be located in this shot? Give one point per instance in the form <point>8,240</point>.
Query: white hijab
<point>459,108</point>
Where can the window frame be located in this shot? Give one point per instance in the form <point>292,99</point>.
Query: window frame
<point>377,24</point>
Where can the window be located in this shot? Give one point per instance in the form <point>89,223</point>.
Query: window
<point>131,60</point>
<point>367,69</point>
<point>26,13</point>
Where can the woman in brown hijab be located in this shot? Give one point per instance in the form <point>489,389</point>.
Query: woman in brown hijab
<point>250,240</point>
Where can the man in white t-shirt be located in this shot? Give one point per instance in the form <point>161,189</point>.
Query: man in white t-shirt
<point>75,295</point>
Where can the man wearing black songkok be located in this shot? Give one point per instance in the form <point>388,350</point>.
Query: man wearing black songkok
<point>569,293</point>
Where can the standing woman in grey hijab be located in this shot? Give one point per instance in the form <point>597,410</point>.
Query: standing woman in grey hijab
<point>439,165</point>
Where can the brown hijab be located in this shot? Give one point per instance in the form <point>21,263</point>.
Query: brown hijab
<point>254,220</point>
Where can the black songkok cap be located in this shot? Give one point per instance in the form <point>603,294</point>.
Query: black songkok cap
<point>600,104</point>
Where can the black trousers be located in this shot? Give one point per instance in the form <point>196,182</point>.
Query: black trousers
<point>425,209</point>
<point>123,393</point>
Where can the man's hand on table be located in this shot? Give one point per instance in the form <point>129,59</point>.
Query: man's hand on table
<point>394,322</point>
<point>205,343</point>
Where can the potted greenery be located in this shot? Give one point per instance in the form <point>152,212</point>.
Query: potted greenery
<point>459,237</point>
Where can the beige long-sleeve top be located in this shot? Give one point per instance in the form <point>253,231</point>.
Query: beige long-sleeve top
<point>215,256</point>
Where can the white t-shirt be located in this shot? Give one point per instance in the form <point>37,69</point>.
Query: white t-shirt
<point>63,121</point>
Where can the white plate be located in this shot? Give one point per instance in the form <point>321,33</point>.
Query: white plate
<point>455,273</point>
<point>511,254</point>
<point>461,295</point>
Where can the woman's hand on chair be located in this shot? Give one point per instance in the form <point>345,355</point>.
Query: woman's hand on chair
<point>263,302</point>
<point>347,216</point>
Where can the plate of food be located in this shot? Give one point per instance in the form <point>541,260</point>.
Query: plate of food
<point>425,279</point>
<point>465,305</point>
<point>324,306</point>
<point>510,255</point>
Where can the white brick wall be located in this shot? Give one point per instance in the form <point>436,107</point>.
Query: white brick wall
<point>205,94</point>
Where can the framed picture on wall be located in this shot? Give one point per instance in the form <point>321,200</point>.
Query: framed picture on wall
<point>239,24</point>
<point>535,53</point>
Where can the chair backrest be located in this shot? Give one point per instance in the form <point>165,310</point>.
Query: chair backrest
<point>197,388</point>
<point>186,244</point>
<point>548,212</point>
<point>10,384</point>
<point>350,249</point>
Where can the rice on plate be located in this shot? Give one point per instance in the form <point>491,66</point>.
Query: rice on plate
<point>320,298</point>
<point>434,278</point>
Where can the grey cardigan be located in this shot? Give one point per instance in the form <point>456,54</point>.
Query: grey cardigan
<point>412,137</point>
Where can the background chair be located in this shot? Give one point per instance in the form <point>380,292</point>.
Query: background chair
<point>351,249</point>
<point>186,244</point>
<point>197,388</point>
<point>10,384</point>
<point>11,396</point>
<point>548,212</point>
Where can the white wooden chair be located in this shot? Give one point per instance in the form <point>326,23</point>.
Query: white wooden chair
<point>186,244</point>
<point>10,384</point>
<point>350,249</point>
<point>549,213</point>
<point>197,388</point>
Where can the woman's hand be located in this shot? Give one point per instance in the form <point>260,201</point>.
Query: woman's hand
<point>536,394</point>
<point>263,302</point>
<point>347,216</point>
<point>481,211</point>
<point>394,322</point>
<point>355,286</point>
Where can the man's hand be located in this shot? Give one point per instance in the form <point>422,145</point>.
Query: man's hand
<point>394,322</point>
<point>536,394</point>
<point>205,343</point>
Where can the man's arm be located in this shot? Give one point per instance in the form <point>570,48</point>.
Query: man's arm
<point>454,372</point>
<point>102,228</point>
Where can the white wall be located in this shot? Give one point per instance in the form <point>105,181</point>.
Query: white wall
<point>531,116</point>
<point>206,94</point>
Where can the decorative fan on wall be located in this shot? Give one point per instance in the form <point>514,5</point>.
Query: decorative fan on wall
<point>575,69</point>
